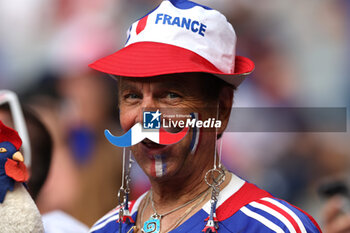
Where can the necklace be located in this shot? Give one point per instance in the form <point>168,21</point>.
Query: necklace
<point>143,210</point>
<point>177,223</point>
<point>152,225</point>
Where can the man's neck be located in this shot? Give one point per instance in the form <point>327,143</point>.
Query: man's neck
<point>170,194</point>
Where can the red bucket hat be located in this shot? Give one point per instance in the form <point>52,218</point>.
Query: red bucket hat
<point>179,36</point>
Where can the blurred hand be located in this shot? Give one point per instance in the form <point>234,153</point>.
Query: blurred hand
<point>334,218</point>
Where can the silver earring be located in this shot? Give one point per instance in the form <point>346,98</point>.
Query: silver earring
<point>214,178</point>
<point>214,183</point>
<point>124,191</point>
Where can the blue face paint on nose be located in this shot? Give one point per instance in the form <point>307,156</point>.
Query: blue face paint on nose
<point>136,134</point>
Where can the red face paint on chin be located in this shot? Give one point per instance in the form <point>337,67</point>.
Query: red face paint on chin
<point>16,170</point>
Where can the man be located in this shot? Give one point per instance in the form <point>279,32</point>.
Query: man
<point>180,60</point>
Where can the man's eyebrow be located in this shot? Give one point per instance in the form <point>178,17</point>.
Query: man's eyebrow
<point>127,86</point>
<point>170,83</point>
<point>174,84</point>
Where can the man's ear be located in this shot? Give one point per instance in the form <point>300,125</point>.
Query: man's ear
<point>225,105</point>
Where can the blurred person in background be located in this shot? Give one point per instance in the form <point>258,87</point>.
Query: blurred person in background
<point>335,220</point>
<point>85,166</point>
<point>41,152</point>
<point>61,35</point>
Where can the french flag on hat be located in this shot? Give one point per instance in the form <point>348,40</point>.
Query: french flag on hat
<point>179,36</point>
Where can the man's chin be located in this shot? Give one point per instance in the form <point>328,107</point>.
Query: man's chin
<point>157,166</point>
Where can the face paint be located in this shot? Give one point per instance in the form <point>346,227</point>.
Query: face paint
<point>195,136</point>
<point>159,166</point>
<point>137,133</point>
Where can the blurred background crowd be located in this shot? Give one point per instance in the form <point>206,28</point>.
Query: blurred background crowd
<point>301,51</point>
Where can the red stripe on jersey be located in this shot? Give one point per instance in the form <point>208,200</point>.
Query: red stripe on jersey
<point>308,215</point>
<point>246,194</point>
<point>281,211</point>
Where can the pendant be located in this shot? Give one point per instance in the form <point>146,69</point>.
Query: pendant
<point>212,222</point>
<point>152,225</point>
<point>126,217</point>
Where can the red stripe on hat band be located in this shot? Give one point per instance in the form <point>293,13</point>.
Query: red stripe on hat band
<point>141,24</point>
<point>281,211</point>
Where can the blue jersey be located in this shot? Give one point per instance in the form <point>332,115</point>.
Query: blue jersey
<point>241,207</point>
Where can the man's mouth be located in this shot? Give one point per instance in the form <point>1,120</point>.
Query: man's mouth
<point>152,145</point>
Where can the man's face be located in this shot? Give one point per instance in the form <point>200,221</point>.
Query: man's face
<point>173,94</point>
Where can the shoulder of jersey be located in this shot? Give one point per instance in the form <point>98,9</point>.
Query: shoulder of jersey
<point>273,214</point>
<point>108,221</point>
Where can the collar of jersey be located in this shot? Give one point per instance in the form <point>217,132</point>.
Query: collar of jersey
<point>233,187</point>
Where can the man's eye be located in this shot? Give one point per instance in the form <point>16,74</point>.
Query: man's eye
<point>172,95</point>
<point>131,96</point>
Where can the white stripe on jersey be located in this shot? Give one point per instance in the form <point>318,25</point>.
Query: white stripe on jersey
<point>289,211</point>
<point>274,213</point>
<point>108,215</point>
<point>262,219</point>
<point>97,227</point>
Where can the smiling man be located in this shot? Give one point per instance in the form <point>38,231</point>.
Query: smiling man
<point>165,93</point>
<point>180,59</point>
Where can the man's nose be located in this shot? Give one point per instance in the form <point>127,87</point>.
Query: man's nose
<point>149,103</point>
